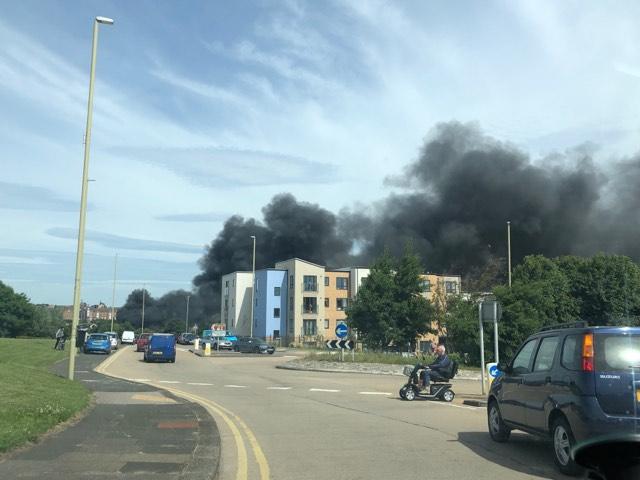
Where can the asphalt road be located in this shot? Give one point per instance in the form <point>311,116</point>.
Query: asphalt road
<point>284,424</point>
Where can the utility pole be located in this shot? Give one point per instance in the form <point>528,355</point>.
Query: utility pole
<point>113,296</point>
<point>143,292</point>
<point>186,322</point>
<point>509,250</point>
<point>253,285</point>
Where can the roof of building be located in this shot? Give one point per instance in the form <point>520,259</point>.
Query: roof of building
<point>300,260</point>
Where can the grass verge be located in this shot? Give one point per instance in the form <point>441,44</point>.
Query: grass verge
<point>364,357</point>
<point>33,399</point>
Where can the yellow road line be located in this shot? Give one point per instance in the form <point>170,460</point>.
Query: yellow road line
<point>102,366</point>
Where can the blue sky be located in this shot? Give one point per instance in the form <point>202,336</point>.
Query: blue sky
<point>205,109</point>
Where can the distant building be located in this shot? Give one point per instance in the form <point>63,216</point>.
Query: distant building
<point>90,313</point>
<point>270,305</point>
<point>235,307</point>
<point>436,289</point>
<point>337,295</point>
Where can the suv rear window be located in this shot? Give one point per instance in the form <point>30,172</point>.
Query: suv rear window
<point>617,352</point>
<point>546,354</point>
<point>571,352</point>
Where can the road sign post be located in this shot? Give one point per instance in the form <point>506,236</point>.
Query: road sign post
<point>341,332</point>
<point>481,347</point>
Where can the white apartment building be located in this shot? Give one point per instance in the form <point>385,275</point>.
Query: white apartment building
<point>235,307</point>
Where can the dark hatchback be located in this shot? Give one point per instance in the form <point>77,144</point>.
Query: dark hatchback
<point>571,385</point>
<point>253,345</point>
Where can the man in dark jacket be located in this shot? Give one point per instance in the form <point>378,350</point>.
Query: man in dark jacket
<point>440,369</point>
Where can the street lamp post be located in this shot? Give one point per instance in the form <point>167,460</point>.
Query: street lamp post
<point>83,199</point>
<point>186,322</point>
<point>253,285</point>
<point>143,294</point>
<point>113,296</point>
<point>509,250</point>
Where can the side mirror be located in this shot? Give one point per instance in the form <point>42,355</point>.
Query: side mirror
<point>504,367</point>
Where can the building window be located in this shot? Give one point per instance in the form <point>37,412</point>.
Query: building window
<point>326,323</point>
<point>342,283</point>
<point>276,291</point>
<point>310,327</point>
<point>256,301</point>
<point>276,313</point>
<point>425,285</point>
<point>326,281</point>
<point>326,302</point>
<point>226,283</point>
<point>310,283</point>
<point>341,303</point>
<point>309,305</point>
<point>291,304</point>
<point>233,282</point>
<point>450,287</point>
<point>291,280</point>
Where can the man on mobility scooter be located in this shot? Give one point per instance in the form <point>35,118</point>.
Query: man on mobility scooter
<point>439,372</point>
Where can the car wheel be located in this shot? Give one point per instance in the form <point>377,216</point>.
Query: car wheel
<point>448,395</point>
<point>497,428</point>
<point>563,442</point>
<point>403,391</point>
<point>236,349</point>
<point>172,360</point>
<point>271,352</point>
<point>410,394</point>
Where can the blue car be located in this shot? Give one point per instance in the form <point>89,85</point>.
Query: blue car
<point>161,347</point>
<point>97,342</point>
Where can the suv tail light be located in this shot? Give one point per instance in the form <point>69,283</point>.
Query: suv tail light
<point>587,353</point>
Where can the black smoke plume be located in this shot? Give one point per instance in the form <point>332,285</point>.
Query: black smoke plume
<point>452,204</point>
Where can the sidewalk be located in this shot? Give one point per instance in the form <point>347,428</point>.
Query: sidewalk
<point>132,431</point>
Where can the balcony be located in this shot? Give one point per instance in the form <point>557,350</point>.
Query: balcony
<point>310,283</point>
<point>310,305</point>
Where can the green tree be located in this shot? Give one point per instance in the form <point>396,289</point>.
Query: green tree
<point>605,287</point>
<point>461,324</point>
<point>16,313</point>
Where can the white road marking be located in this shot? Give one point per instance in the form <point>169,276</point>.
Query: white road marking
<point>459,406</point>
<point>168,381</point>
<point>374,393</point>
<point>201,384</point>
<point>322,390</point>
<point>139,379</point>
<point>278,388</point>
<point>183,349</point>
<point>82,371</point>
<point>90,380</point>
<point>289,356</point>
<point>236,386</point>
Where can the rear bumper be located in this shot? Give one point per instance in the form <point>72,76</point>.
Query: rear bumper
<point>588,421</point>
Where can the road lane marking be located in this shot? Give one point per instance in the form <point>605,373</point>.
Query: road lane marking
<point>322,390</point>
<point>236,386</point>
<point>168,381</point>
<point>201,384</point>
<point>374,393</point>
<point>110,359</point>
<point>90,380</point>
<point>139,379</point>
<point>289,356</point>
<point>278,388</point>
<point>82,371</point>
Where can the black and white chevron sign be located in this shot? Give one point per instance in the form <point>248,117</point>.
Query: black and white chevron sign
<point>348,344</point>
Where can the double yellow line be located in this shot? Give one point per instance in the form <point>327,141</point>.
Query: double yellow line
<point>236,425</point>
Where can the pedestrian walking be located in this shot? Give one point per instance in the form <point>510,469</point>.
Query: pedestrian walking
<point>59,338</point>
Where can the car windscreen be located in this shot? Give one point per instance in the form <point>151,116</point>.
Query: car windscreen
<point>617,352</point>
<point>97,337</point>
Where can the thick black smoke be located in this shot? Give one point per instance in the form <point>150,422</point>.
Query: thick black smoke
<point>290,229</point>
<point>452,203</point>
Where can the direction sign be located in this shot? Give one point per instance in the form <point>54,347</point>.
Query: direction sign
<point>342,330</point>
<point>492,370</point>
<point>348,344</point>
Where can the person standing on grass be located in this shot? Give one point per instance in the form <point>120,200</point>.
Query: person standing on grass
<point>59,337</point>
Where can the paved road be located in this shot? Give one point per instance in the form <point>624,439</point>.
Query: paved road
<point>284,424</point>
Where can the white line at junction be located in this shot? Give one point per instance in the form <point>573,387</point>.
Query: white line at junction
<point>278,388</point>
<point>323,390</point>
<point>374,393</point>
<point>139,379</point>
<point>236,386</point>
<point>168,381</point>
<point>201,384</point>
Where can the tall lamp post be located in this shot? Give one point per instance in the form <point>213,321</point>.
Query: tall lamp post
<point>509,250</point>
<point>113,296</point>
<point>186,322</point>
<point>253,285</point>
<point>83,199</point>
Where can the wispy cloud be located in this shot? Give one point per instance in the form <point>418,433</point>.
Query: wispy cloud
<point>194,217</point>
<point>118,242</point>
<point>228,168</point>
<point>18,196</point>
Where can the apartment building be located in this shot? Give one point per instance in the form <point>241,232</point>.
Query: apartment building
<point>436,289</point>
<point>337,294</point>
<point>305,297</point>
<point>235,305</point>
<point>270,303</point>
<point>90,313</point>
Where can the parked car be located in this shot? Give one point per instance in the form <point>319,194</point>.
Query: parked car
<point>97,342</point>
<point>142,341</point>
<point>113,337</point>
<point>161,346</point>
<point>128,337</point>
<point>222,343</point>
<point>253,345</point>
<point>186,338</point>
<point>571,384</point>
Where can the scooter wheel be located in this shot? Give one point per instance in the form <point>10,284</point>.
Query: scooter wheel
<point>410,394</point>
<point>448,395</point>
<point>402,391</point>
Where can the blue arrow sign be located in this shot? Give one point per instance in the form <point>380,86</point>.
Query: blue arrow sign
<point>342,330</point>
<point>493,371</point>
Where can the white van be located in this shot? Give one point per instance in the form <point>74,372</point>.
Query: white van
<point>128,337</point>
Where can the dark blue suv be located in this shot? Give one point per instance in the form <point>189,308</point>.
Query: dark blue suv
<point>570,384</point>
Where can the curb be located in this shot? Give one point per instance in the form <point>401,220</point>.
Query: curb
<point>475,403</point>
<point>330,370</point>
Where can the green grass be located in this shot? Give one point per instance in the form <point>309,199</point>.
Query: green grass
<point>365,357</point>
<point>33,400</point>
